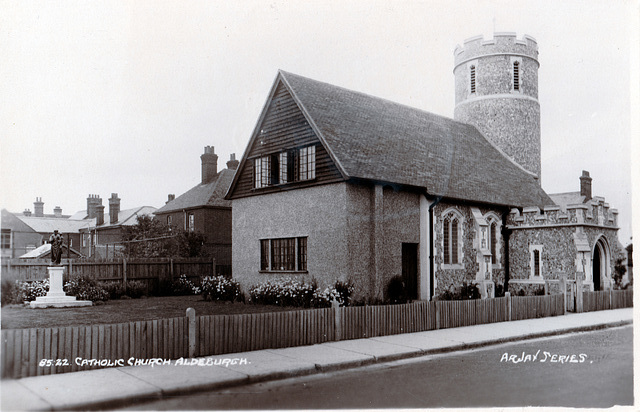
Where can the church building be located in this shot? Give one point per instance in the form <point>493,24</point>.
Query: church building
<point>340,185</point>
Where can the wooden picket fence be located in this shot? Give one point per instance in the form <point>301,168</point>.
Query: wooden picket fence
<point>152,272</point>
<point>607,299</point>
<point>25,352</point>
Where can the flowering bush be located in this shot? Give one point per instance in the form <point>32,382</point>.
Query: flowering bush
<point>114,289</point>
<point>86,288</point>
<point>293,292</point>
<point>28,291</point>
<point>183,286</point>
<point>219,288</point>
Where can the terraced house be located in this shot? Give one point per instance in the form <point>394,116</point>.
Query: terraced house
<point>337,184</point>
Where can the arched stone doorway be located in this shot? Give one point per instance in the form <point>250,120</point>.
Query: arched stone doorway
<point>600,264</point>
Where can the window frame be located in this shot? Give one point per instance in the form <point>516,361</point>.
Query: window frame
<point>536,265</point>
<point>285,167</point>
<point>5,239</point>
<point>284,255</point>
<point>452,239</point>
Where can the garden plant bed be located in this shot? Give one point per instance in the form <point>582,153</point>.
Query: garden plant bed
<point>124,310</point>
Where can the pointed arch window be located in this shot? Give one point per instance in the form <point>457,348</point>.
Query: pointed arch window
<point>493,229</point>
<point>451,240</point>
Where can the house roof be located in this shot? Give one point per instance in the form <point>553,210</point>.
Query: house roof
<point>44,250</point>
<point>49,224</point>
<point>568,198</point>
<point>209,194</point>
<point>376,139</point>
<point>11,221</point>
<point>127,217</point>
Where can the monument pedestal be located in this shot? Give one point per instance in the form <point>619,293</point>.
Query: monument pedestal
<point>56,297</point>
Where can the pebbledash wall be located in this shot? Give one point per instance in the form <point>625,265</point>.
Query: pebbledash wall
<point>567,243</point>
<point>354,232</point>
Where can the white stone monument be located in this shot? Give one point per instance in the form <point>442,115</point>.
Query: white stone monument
<point>56,298</point>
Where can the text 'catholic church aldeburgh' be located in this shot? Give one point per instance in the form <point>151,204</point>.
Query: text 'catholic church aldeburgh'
<point>339,185</point>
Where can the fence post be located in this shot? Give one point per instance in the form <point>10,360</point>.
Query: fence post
<point>437,316</point>
<point>124,274</point>
<point>191,320</point>
<point>579,294</point>
<point>337,324</point>
<point>508,296</point>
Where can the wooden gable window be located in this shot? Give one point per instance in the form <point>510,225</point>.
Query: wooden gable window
<point>285,167</point>
<point>307,163</point>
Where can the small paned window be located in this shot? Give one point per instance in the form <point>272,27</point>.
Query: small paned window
<point>169,220</point>
<point>473,78</point>
<point>536,263</point>
<point>284,168</point>
<point>5,241</point>
<point>264,254</point>
<point>302,253</point>
<point>308,163</point>
<point>191,222</point>
<point>286,254</point>
<point>451,240</point>
<point>516,75</point>
<point>493,229</point>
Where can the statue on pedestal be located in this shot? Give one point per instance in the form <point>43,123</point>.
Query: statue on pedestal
<point>56,241</point>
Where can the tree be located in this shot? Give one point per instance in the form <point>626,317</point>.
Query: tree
<point>151,238</point>
<point>619,270</point>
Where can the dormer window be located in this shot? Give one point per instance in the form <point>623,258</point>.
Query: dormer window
<point>516,75</point>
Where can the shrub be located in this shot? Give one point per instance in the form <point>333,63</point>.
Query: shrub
<point>28,291</point>
<point>114,289</point>
<point>469,291</point>
<point>86,288</point>
<point>183,286</point>
<point>344,290</point>
<point>499,291</point>
<point>395,291</point>
<point>136,289</point>
<point>219,288</point>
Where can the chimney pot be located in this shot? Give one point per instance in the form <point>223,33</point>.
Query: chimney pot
<point>114,208</point>
<point>585,185</point>
<point>170,198</point>
<point>99,215</point>
<point>209,164</point>
<point>232,163</point>
<point>27,212</point>
<point>57,211</point>
<point>38,207</point>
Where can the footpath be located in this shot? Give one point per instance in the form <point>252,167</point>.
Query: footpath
<point>119,386</point>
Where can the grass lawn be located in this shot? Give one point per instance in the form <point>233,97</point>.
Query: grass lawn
<point>119,311</point>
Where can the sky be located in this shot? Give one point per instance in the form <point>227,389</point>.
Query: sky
<point>122,97</point>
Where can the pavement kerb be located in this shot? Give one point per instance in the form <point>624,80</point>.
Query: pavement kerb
<point>160,393</point>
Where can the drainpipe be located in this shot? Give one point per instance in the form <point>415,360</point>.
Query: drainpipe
<point>506,233</point>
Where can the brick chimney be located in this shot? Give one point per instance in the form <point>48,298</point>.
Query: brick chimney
<point>92,202</point>
<point>209,164</point>
<point>57,211</point>
<point>170,198</point>
<point>114,208</point>
<point>99,214</point>
<point>585,186</point>
<point>38,207</point>
<point>233,163</point>
<point>27,212</point>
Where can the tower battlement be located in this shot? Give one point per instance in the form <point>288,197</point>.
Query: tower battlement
<point>501,43</point>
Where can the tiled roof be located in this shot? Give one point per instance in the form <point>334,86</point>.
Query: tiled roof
<point>49,224</point>
<point>376,139</point>
<point>44,250</point>
<point>128,217</point>
<point>209,194</point>
<point>569,198</point>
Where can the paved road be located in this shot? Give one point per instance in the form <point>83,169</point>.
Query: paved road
<point>596,370</point>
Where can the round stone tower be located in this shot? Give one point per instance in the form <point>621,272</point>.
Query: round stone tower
<point>496,83</point>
